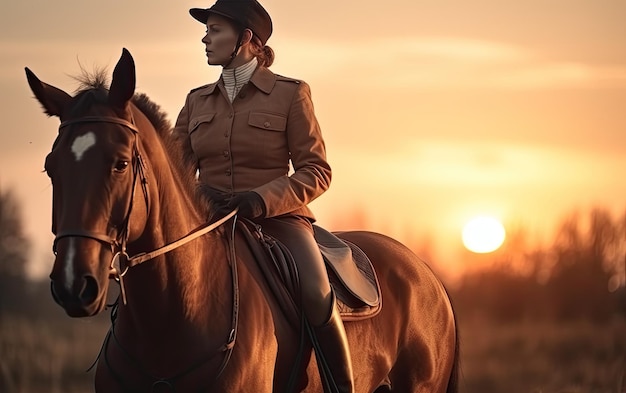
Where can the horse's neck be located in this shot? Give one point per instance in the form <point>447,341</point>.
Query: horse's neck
<point>180,303</point>
<point>181,288</point>
<point>176,286</point>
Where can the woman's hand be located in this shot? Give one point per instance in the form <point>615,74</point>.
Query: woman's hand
<point>250,204</point>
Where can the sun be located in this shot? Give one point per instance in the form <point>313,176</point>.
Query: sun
<point>483,234</point>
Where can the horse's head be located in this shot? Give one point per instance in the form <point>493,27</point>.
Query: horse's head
<point>97,174</point>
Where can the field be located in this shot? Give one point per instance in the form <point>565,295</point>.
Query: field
<point>543,357</point>
<point>38,356</point>
<point>52,355</point>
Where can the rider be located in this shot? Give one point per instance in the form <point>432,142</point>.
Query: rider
<point>243,131</point>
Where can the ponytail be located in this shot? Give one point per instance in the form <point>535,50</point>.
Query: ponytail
<point>263,53</point>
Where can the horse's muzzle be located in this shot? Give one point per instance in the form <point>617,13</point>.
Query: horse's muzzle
<point>81,300</point>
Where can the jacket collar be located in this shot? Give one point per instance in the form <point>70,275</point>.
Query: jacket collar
<point>262,78</point>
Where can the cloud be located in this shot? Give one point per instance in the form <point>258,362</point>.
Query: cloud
<point>444,63</point>
<point>454,49</point>
<point>467,165</point>
<point>422,62</point>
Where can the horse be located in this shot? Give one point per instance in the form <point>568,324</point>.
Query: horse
<point>195,312</point>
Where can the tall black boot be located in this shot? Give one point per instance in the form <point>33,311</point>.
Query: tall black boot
<point>333,355</point>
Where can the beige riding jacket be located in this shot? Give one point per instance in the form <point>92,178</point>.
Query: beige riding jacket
<point>247,145</point>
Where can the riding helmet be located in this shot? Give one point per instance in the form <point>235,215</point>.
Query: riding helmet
<point>248,13</point>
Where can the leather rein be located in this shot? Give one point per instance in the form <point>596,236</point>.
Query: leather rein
<point>121,261</point>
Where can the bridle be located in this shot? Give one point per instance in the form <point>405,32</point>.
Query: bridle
<point>121,261</point>
<point>118,243</point>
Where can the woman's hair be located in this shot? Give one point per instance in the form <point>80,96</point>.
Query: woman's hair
<point>263,53</point>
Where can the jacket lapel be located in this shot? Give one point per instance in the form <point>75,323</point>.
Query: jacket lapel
<point>263,79</point>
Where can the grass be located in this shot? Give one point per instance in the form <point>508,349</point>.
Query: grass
<point>51,355</point>
<point>543,357</point>
<point>48,356</point>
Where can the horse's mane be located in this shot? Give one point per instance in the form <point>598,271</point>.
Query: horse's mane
<point>95,85</point>
<point>181,160</point>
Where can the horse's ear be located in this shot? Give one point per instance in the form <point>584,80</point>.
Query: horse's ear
<point>51,98</point>
<point>123,84</point>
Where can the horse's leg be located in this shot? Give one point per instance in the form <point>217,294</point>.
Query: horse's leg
<point>104,381</point>
<point>293,358</point>
<point>416,313</point>
<point>428,354</point>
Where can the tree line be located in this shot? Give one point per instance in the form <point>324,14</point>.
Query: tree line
<point>581,274</point>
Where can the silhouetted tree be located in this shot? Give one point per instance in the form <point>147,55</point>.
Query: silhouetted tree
<point>579,284</point>
<point>14,250</point>
<point>580,276</point>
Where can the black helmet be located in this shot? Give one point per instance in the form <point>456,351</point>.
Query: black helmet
<point>248,13</point>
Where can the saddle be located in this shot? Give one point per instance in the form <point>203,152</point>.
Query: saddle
<point>350,272</point>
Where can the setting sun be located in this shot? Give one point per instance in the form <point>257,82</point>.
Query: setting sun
<point>483,234</point>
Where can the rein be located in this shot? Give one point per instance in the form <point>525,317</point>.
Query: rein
<point>196,233</point>
<point>122,262</point>
<point>227,348</point>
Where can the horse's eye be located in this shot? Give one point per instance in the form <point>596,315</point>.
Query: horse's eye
<point>121,166</point>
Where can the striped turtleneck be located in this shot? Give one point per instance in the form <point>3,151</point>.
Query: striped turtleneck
<point>235,78</point>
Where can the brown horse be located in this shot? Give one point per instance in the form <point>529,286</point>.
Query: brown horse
<point>198,315</point>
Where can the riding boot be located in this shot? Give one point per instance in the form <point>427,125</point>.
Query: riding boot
<point>333,355</point>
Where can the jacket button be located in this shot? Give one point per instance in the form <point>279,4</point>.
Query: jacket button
<point>228,172</point>
<point>267,124</point>
<point>230,115</point>
<point>226,153</point>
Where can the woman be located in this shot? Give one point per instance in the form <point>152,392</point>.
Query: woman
<point>243,131</point>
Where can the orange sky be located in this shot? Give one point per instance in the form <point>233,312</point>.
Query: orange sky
<point>433,111</point>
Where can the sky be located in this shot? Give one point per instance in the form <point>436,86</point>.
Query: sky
<point>433,111</point>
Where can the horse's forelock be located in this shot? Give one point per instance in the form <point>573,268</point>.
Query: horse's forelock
<point>92,80</point>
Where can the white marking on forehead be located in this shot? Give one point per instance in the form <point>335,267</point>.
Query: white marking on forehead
<point>69,264</point>
<point>82,144</point>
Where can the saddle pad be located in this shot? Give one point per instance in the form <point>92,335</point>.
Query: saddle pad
<point>350,266</point>
<point>350,307</point>
<point>279,269</point>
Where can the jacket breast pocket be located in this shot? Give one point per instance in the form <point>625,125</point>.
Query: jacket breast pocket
<point>269,135</point>
<point>198,121</point>
<point>267,121</point>
<point>202,130</point>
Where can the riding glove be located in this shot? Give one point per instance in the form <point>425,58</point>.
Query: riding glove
<point>250,204</point>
